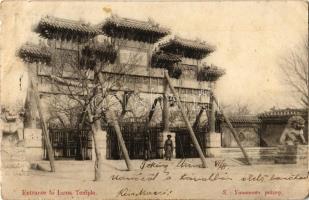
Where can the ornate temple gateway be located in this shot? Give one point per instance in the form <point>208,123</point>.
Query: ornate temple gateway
<point>135,57</point>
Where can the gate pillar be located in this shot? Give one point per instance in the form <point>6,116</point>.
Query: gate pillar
<point>213,139</point>
<point>213,144</point>
<point>33,143</point>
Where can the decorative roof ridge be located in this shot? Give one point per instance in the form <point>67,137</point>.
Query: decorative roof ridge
<point>51,22</point>
<point>197,40</point>
<point>79,22</point>
<point>282,112</point>
<point>34,45</point>
<point>212,66</point>
<point>150,23</point>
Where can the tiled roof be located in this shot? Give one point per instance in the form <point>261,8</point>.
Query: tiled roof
<point>210,73</point>
<point>282,113</point>
<point>65,25</point>
<point>32,52</point>
<point>102,51</point>
<point>243,119</point>
<point>167,61</point>
<point>191,44</point>
<point>166,57</point>
<point>144,31</point>
<point>149,26</point>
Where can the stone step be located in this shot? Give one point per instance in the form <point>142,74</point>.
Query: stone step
<point>9,155</point>
<point>16,164</point>
<point>6,157</point>
<point>9,152</point>
<point>14,172</point>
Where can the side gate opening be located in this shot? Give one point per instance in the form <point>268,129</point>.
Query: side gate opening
<point>70,144</point>
<point>184,144</point>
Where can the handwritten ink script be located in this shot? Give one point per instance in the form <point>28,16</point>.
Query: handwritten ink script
<point>186,172</point>
<point>126,192</point>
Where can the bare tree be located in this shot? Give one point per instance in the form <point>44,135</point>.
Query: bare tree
<point>88,92</point>
<point>294,66</point>
<point>238,108</point>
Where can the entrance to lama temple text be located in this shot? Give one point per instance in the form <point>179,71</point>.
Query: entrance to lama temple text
<point>70,144</point>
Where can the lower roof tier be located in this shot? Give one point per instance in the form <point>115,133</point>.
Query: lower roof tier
<point>187,48</point>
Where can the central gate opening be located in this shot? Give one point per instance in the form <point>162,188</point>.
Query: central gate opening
<point>134,138</point>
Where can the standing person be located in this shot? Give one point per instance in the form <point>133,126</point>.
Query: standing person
<point>147,148</point>
<point>168,148</point>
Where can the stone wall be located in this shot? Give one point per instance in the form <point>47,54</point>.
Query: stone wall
<point>297,154</point>
<point>248,136</point>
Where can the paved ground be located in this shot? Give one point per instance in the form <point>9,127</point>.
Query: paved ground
<point>160,179</point>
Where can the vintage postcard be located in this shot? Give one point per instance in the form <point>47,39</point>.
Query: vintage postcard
<point>154,100</point>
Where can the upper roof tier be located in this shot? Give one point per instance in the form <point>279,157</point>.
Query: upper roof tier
<point>187,48</point>
<point>52,27</point>
<point>144,31</point>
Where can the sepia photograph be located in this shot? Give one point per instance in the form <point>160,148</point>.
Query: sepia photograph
<point>154,100</point>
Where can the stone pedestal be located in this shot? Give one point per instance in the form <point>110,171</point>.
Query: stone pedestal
<point>102,145</point>
<point>213,144</point>
<point>173,138</point>
<point>33,143</point>
<point>292,154</point>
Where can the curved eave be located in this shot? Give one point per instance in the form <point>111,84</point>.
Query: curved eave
<point>167,57</point>
<point>162,59</point>
<point>285,113</point>
<point>56,28</point>
<point>210,74</point>
<point>34,53</point>
<point>103,53</point>
<point>187,49</point>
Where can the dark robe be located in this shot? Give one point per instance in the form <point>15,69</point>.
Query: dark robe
<point>168,148</point>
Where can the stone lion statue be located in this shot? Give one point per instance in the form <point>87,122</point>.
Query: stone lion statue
<point>293,134</point>
<point>11,125</point>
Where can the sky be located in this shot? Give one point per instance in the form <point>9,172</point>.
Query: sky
<point>250,38</point>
